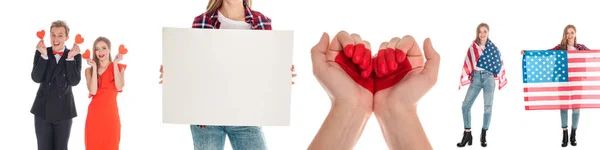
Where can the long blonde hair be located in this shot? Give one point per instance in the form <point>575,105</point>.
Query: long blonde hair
<point>214,5</point>
<point>477,39</point>
<point>564,42</point>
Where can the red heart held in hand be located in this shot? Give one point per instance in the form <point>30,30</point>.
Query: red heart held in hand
<point>86,54</point>
<point>122,49</point>
<point>78,39</point>
<point>360,73</point>
<point>390,67</point>
<point>41,34</point>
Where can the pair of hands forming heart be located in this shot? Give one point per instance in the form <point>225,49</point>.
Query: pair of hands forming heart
<point>398,76</point>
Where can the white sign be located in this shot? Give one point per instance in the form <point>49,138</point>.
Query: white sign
<point>227,77</point>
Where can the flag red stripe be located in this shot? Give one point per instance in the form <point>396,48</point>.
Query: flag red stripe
<point>547,89</point>
<point>556,107</point>
<point>583,60</point>
<point>561,98</point>
<point>584,52</point>
<point>584,69</point>
<point>584,78</point>
<point>560,88</point>
<point>546,98</point>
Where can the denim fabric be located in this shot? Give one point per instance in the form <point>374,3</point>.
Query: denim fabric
<point>240,137</point>
<point>564,117</point>
<point>481,80</point>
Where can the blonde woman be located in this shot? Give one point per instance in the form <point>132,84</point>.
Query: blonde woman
<point>483,65</point>
<point>105,79</point>
<point>569,42</point>
<point>230,14</point>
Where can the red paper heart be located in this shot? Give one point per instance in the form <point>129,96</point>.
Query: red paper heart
<point>122,49</point>
<point>390,67</point>
<point>86,54</point>
<point>353,69</point>
<point>78,39</point>
<point>41,34</point>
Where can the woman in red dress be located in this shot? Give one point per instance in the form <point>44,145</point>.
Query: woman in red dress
<point>104,81</point>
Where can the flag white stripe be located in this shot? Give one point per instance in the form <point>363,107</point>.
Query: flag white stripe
<point>583,74</point>
<point>583,55</point>
<point>472,62</point>
<point>561,102</point>
<point>562,93</point>
<point>586,64</point>
<point>555,84</point>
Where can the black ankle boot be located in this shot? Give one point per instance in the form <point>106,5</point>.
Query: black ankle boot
<point>573,141</point>
<point>466,139</point>
<point>565,140</point>
<point>482,139</point>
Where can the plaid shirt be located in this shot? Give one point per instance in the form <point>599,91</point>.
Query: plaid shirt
<point>578,46</point>
<point>209,20</point>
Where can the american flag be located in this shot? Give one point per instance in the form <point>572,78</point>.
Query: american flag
<point>489,59</point>
<point>561,79</point>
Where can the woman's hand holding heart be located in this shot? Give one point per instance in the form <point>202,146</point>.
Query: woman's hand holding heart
<point>336,70</point>
<point>389,84</point>
<point>399,88</point>
<point>340,73</point>
<point>399,66</point>
<point>403,76</point>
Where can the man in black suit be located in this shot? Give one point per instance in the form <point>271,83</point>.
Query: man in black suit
<point>54,105</point>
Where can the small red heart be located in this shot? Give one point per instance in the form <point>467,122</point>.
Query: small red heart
<point>86,54</point>
<point>78,39</point>
<point>122,49</point>
<point>41,34</point>
<point>390,77</point>
<point>354,70</point>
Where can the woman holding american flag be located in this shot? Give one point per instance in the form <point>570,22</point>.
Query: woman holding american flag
<point>483,65</point>
<point>568,42</point>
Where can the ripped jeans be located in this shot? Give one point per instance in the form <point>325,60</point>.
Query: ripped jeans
<point>481,80</point>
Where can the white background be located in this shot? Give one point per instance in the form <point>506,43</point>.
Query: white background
<point>450,24</point>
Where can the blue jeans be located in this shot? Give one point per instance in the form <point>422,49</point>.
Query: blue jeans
<point>564,116</point>
<point>481,79</point>
<point>240,137</point>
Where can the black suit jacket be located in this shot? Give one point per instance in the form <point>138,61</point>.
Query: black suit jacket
<point>54,99</point>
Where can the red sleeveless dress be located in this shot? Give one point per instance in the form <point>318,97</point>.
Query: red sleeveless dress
<point>103,124</point>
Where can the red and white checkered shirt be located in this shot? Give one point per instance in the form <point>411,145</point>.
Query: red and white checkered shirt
<point>209,20</point>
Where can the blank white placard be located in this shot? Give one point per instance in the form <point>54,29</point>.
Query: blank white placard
<point>227,77</point>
